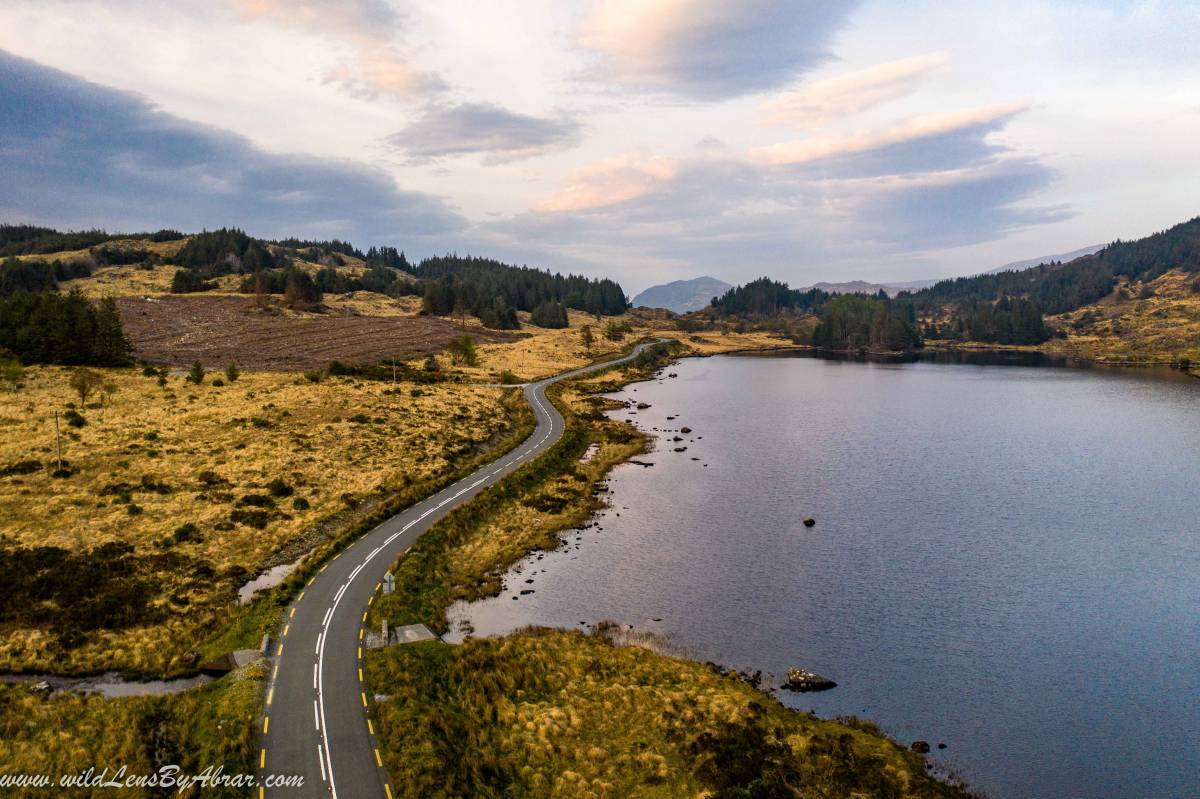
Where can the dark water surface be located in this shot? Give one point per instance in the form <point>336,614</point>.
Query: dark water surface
<point>1006,558</point>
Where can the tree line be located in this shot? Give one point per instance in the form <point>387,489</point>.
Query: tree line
<point>495,291</point>
<point>37,240</point>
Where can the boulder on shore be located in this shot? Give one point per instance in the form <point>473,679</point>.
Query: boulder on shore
<point>685,430</point>
<point>803,680</point>
<point>809,521</point>
<point>920,747</point>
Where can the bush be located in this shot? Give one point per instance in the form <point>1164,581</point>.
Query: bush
<point>74,418</point>
<point>218,382</point>
<point>300,503</point>
<point>196,373</point>
<point>20,467</point>
<point>232,373</point>
<point>508,378</point>
<point>187,532</point>
<point>278,488</point>
<point>257,519</point>
<point>312,377</point>
<point>431,364</point>
<point>189,281</point>
<point>257,501</point>
<point>149,371</point>
<point>133,509</point>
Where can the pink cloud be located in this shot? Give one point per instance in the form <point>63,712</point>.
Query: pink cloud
<point>609,182</point>
<point>819,102</point>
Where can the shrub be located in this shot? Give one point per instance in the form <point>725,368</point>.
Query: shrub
<point>300,503</point>
<point>257,519</point>
<point>210,479</point>
<point>189,281</point>
<point>20,467</point>
<point>260,422</point>
<point>257,501</point>
<point>312,377</point>
<point>278,488</point>
<point>431,364</point>
<point>232,373</point>
<point>218,382</point>
<point>74,418</point>
<point>196,373</point>
<point>187,532</point>
<point>149,371</point>
<point>508,378</point>
<point>416,392</point>
<point>133,509</point>
<point>549,314</point>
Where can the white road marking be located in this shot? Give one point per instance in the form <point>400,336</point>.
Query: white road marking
<point>316,718</point>
<point>325,756</point>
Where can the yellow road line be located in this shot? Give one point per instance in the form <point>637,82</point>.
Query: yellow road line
<point>364,615</point>
<point>301,596</point>
<point>360,653</point>
<point>370,727</point>
<point>360,633</point>
<point>360,675</point>
<point>262,759</point>
<point>266,721</point>
<point>387,788</point>
<point>292,615</point>
<point>378,762</point>
<point>378,586</point>
<point>279,652</point>
<point>371,600</point>
<point>323,568</point>
<point>270,694</point>
<point>286,627</point>
<point>275,673</point>
<point>364,697</point>
<point>263,792</point>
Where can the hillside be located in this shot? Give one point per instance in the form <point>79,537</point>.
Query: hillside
<point>682,296</point>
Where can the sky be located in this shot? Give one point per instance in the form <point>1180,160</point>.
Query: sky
<point>644,140</point>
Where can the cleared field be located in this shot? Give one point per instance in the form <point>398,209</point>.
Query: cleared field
<point>205,484</point>
<point>218,330</point>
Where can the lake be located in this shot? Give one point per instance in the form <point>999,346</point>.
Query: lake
<point>1006,558</point>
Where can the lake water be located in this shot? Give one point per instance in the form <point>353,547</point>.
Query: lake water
<point>1006,558</point>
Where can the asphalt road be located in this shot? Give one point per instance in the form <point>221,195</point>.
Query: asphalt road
<point>316,721</point>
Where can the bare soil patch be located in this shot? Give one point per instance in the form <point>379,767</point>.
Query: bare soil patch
<point>218,330</point>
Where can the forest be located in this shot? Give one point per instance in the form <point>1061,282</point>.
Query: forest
<point>495,291</point>
<point>858,323</point>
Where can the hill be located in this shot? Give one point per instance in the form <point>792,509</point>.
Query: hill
<point>682,296</point>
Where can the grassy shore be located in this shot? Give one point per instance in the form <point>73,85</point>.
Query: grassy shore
<point>557,713</point>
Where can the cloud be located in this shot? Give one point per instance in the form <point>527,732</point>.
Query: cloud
<point>608,182</point>
<point>497,133</point>
<point>710,48</point>
<point>923,142</point>
<point>818,103</point>
<point>377,64</point>
<point>865,207</point>
<point>78,154</point>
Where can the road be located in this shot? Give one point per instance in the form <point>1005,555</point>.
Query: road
<point>315,720</point>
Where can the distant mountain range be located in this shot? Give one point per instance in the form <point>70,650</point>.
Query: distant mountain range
<point>863,287</point>
<point>682,296</point>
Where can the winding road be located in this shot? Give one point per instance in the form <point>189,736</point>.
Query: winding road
<point>316,721</point>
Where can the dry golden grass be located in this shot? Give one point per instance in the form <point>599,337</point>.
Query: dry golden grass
<point>543,352</point>
<point>66,733</point>
<point>1123,327</point>
<point>561,714</point>
<point>329,440</point>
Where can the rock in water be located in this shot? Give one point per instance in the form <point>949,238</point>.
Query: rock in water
<point>920,747</point>
<point>802,680</point>
<point>809,521</point>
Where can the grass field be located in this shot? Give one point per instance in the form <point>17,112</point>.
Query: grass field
<point>206,483</point>
<point>1147,322</point>
<point>66,733</point>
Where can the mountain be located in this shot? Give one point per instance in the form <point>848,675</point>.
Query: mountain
<point>682,296</point>
<point>1017,266</point>
<point>892,289</point>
